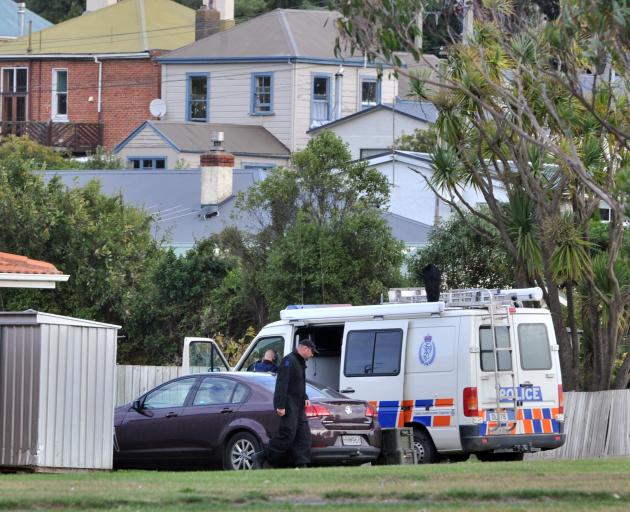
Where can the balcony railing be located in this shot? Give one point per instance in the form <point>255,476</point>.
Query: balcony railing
<point>75,137</point>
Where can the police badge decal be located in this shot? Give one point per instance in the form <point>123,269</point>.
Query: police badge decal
<point>427,351</point>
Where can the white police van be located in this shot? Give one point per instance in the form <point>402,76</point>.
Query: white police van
<point>475,372</point>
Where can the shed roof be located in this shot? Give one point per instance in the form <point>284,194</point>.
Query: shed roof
<point>240,139</point>
<point>288,33</point>
<point>9,23</point>
<point>32,317</point>
<point>129,26</point>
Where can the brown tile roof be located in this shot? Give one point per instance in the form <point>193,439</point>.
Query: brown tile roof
<point>14,264</point>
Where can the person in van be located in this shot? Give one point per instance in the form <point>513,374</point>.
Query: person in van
<point>268,362</point>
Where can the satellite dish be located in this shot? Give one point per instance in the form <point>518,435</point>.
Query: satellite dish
<point>157,107</point>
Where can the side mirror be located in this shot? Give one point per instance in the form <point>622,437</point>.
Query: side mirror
<point>137,405</point>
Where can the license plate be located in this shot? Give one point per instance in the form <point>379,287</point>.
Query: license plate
<point>351,440</point>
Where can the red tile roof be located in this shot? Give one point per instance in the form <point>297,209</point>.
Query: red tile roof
<point>14,264</point>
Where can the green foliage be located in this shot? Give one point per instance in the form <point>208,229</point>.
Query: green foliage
<point>424,141</point>
<point>466,257</point>
<point>22,149</point>
<point>322,238</point>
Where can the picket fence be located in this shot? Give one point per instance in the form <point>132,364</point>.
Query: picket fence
<point>597,424</point>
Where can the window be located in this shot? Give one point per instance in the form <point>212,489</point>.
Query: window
<point>216,390</point>
<point>59,95</point>
<point>370,92</point>
<point>147,163</point>
<point>373,353</point>
<point>533,344</point>
<point>197,97</point>
<point>370,152</point>
<point>604,214</point>
<point>262,94</point>
<point>172,394</point>
<point>320,106</point>
<point>206,356</point>
<point>14,93</point>
<point>275,343</point>
<point>487,348</point>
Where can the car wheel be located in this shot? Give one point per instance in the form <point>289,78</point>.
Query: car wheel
<point>500,457</point>
<point>424,447</point>
<point>239,452</point>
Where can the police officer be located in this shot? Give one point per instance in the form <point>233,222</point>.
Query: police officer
<point>268,363</point>
<point>294,435</point>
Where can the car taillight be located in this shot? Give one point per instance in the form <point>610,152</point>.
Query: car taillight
<point>315,410</point>
<point>370,411</point>
<point>471,405</point>
<point>560,400</point>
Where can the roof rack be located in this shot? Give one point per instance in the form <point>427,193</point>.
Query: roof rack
<point>470,297</point>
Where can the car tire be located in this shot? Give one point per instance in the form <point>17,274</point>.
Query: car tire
<point>424,447</point>
<point>500,457</point>
<point>239,452</point>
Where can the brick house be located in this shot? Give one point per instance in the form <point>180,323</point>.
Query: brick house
<point>88,81</point>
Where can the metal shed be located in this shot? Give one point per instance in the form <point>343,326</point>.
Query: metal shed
<point>57,391</point>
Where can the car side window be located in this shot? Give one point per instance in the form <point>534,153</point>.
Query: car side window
<point>215,390</point>
<point>172,394</point>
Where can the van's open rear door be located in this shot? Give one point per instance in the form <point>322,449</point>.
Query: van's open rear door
<point>372,365</point>
<point>203,355</point>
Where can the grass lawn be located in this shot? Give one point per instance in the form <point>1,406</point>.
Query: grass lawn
<point>533,485</point>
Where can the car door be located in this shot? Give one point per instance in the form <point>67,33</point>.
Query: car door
<point>202,355</point>
<point>153,431</point>
<point>214,405</point>
<point>372,365</point>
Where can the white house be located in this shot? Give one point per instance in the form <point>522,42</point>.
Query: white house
<point>278,71</point>
<point>410,195</point>
<point>374,130</point>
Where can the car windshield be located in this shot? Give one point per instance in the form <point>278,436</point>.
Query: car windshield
<point>313,389</point>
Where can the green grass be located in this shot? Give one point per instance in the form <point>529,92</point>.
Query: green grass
<point>513,486</point>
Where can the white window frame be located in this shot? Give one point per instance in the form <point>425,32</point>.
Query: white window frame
<point>55,116</point>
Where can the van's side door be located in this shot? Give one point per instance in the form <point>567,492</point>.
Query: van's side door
<point>203,355</point>
<point>372,365</point>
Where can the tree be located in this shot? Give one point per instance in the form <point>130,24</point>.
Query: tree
<point>514,113</point>
<point>421,140</point>
<point>465,255</point>
<point>320,234</point>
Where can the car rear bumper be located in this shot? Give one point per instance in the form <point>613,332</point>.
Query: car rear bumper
<point>472,441</point>
<point>344,454</point>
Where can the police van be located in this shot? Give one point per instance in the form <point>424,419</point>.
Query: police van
<point>475,372</point>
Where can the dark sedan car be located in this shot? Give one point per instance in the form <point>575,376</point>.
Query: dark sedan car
<point>222,419</point>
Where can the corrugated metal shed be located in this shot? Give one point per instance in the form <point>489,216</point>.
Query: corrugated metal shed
<point>57,392</point>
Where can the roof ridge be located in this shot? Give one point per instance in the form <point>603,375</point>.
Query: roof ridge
<point>288,33</point>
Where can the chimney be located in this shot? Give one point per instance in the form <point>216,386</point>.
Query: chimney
<point>207,21</point>
<point>217,168</point>
<point>95,5</point>
<point>21,7</point>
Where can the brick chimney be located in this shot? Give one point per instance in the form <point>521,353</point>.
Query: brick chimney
<point>95,5</point>
<point>213,16</point>
<point>217,169</point>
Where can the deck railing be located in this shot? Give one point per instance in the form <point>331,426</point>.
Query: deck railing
<point>75,137</point>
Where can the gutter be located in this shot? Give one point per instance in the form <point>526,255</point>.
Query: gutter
<point>100,86</point>
<point>13,280</point>
<point>71,56</point>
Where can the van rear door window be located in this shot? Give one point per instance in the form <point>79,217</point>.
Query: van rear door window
<point>533,344</point>
<point>373,352</point>
<point>487,349</point>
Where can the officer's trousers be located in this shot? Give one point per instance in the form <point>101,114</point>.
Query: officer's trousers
<point>293,438</point>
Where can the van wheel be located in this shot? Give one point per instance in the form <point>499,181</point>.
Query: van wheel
<point>424,447</point>
<point>239,452</point>
<point>500,457</point>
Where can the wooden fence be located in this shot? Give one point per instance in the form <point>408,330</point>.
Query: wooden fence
<point>597,424</point>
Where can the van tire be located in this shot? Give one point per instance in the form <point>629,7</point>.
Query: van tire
<point>424,447</point>
<point>500,457</point>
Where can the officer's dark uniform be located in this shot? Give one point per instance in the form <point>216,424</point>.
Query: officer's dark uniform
<point>265,366</point>
<point>294,434</point>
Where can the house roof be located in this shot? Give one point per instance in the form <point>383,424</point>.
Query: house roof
<point>173,199</point>
<point>22,272</point>
<point>423,111</point>
<point>289,34</point>
<point>129,26</point>
<point>9,23</point>
<point>241,140</point>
